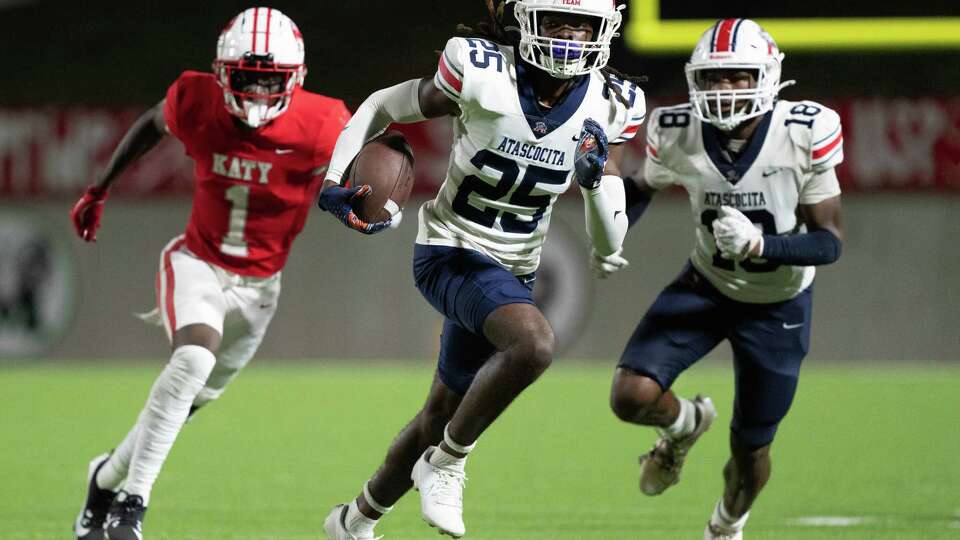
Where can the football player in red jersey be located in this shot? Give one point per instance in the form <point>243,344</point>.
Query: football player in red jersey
<point>259,142</point>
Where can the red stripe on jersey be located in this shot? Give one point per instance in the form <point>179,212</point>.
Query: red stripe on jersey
<point>157,286</point>
<point>256,15</point>
<point>819,153</point>
<point>651,150</point>
<point>725,35</point>
<point>267,46</point>
<point>168,296</point>
<point>448,75</point>
<point>631,130</point>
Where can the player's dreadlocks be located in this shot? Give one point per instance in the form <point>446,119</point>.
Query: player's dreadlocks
<point>501,30</point>
<point>496,29</point>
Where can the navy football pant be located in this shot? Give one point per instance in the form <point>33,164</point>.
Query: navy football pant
<point>769,342</point>
<point>465,286</point>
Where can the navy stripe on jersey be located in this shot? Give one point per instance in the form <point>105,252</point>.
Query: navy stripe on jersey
<point>447,89</point>
<point>453,66</point>
<point>828,157</point>
<point>733,172</point>
<point>828,137</point>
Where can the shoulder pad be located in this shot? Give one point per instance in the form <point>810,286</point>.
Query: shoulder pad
<point>449,76</point>
<point>816,129</point>
<point>633,114</point>
<point>666,127</point>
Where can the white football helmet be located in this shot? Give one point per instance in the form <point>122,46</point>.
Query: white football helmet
<point>736,44</point>
<point>259,64</point>
<point>562,58</point>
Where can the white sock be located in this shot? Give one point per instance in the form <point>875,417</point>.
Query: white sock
<point>686,421</point>
<point>724,520</point>
<point>114,471</point>
<point>164,415</point>
<point>357,523</point>
<point>439,458</point>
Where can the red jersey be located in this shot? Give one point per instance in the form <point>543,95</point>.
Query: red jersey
<point>254,188</point>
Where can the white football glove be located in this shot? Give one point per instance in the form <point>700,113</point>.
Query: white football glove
<point>736,236</point>
<point>603,266</point>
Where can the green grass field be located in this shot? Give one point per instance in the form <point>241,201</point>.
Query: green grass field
<point>287,441</point>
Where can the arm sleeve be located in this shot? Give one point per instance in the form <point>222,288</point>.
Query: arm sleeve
<point>604,212</point>
<point>449,76</point>
<point>400,104</point>
<point>337,117</point>
<point>637,200</point>
<point>655,173</point>
<point>814,248</point>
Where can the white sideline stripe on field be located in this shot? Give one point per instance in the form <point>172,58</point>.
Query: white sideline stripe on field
<point>831,521</point>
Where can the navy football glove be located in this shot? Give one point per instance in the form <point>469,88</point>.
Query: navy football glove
<point>591,155</point>
<point>339,201</point>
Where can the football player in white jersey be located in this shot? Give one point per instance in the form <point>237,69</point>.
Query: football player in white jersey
<point>766,210</point>
<point>530,114</point>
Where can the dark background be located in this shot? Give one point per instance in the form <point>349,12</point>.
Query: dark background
<point>126,53</point>
<point>706,9</point>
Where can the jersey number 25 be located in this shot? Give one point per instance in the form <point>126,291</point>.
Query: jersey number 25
<point>509,171</point>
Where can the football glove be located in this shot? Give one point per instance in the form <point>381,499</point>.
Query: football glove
<point>736,236</point>
<point>591,155</point>
<point>603,266</point>
<point>86,213</point>
<point>339,201</point>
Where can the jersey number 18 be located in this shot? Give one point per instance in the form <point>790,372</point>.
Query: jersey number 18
<point>768,225</point>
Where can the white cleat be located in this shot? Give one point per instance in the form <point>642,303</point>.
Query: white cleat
<point>716,532</point>
<point>441,495</point>
<point>660,468</point>
<point>336,529</point>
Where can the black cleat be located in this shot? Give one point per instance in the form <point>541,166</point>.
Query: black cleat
<point>89,524</point>
<point>125,517</point>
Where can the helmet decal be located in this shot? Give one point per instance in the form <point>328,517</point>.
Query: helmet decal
<point>725,35</point>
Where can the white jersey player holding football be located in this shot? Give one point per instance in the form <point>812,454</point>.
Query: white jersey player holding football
<point>530,115</point>
<point>766,209</point>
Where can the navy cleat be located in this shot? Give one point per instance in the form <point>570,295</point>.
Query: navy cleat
<point>125,517</point>
<point>90,521</point>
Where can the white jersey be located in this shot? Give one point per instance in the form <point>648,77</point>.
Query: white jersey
<point>789,161</point>
<point>511,157</point>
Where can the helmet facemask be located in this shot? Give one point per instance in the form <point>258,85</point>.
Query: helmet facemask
<point>564,58</point>
<point>255,89</point>
<point>730,107</point>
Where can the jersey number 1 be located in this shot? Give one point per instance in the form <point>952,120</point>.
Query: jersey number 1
<point>233,243</point>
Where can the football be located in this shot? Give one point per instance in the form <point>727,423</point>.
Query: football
<point>385,163</point>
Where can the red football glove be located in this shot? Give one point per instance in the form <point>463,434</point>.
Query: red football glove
<point>86,213</point>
